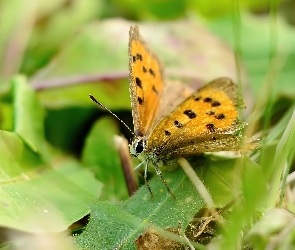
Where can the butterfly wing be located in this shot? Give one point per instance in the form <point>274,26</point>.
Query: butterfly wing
<point>210,143</point>
<point>174,93</point>
<point>146,83</point>
<point>203,122</point>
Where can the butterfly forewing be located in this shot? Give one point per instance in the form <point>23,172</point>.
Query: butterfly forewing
<point>212,109</point>
<point>146,83</point>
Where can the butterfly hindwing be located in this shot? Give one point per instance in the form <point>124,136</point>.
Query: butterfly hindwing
<point>212,110</point>
<point>207,143</point>
<point>174,93</point>
<point>146,83</point>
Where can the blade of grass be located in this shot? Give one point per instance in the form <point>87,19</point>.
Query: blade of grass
<point>283,150</point>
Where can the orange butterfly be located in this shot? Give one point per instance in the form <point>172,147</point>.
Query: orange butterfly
<point>203,122</point>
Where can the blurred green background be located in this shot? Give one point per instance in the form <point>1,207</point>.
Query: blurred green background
<point>67,49</point>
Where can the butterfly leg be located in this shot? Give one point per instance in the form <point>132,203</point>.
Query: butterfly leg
<point>145,175</point>
<point>145,178</point>
<point>138,166</point>
<point>159,173</point>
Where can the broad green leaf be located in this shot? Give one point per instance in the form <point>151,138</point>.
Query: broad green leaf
<point>6,112</point>
<point>28,115</point>
<point>60,21</point>
<point>95,54</point>
<point>16,158</point>
<point>113,94</point>
<point>36,198</point>
<point>222,179</point>
<point>223,176</point>
<point>254,187</point>
<point>110,227</point>
<point>120,225</point>
<point>100,155</point>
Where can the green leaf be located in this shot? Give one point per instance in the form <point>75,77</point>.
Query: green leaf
<point>59,22</point>
<point>16,158</point>
<point>220,179</point>
<point>34,197</point>
<point>100,155</point>
<point>120,225</point>
<point>28,115</point>
<point>110,227</point>
<point>38,199</point>
<point>96,55</point>
<point>254,187</point>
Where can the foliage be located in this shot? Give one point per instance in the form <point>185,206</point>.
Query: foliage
<point>59,160</point>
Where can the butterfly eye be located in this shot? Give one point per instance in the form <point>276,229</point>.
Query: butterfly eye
<point>139,147</point>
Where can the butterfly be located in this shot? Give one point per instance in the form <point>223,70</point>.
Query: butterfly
<point>203,122</point>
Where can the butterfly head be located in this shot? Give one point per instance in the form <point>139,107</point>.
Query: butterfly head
<point>141,151</point>
<point>137,147</point>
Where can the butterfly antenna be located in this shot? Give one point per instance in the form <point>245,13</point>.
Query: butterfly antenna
<point>97,102</point>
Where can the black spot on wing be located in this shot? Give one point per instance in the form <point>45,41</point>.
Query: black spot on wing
<point>178,124</point>
<point>152,72</point>
<point>190,114</point>
<point>144,69</point>
<point>167,132</point>
<point>211,127</point>
<point>140,100</point>
<point>155,90</point>
<point>138,57</point>
<point>138,82</point>
<point>220,116</point>
<point>215,104</point>
<point>207,99</point>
